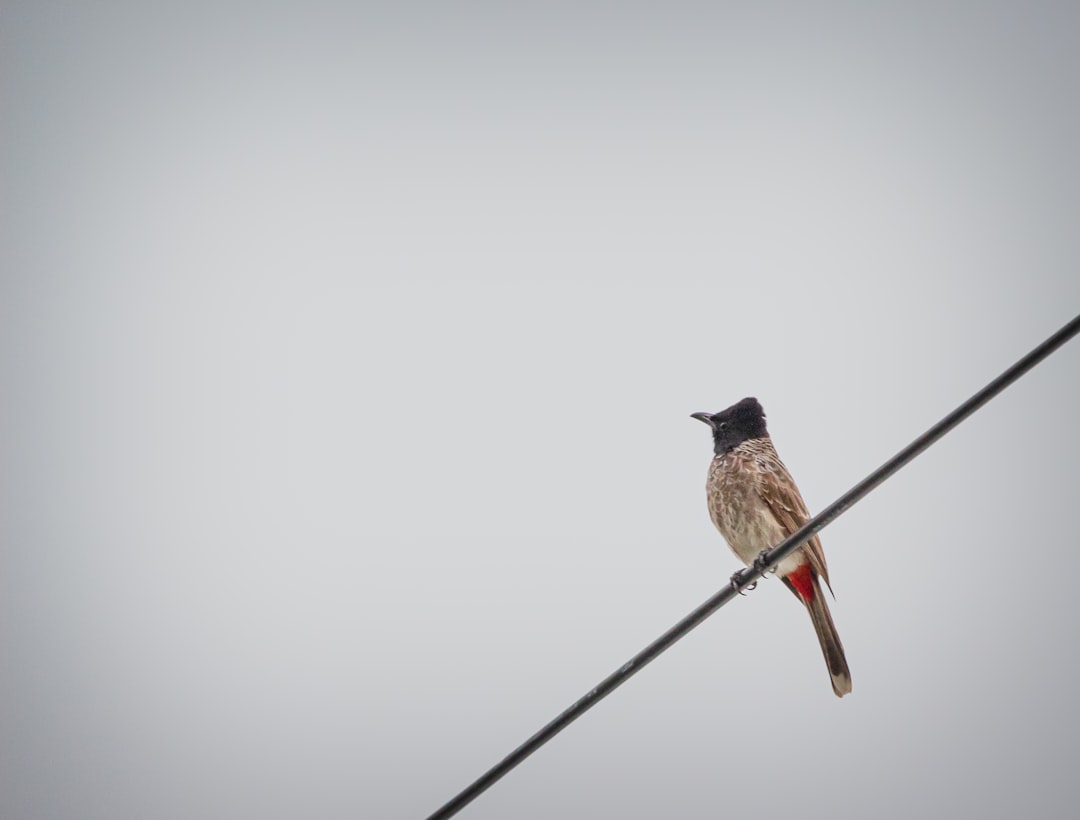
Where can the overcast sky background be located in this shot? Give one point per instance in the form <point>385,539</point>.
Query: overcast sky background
<point>346,359</point>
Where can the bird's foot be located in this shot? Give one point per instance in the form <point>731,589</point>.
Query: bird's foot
<point>761,565</point>
<point>736,583</point>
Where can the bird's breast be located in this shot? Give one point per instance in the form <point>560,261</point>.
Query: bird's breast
<point>736,507</point>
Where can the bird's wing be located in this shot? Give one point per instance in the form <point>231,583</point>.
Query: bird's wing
<point>777,489</point>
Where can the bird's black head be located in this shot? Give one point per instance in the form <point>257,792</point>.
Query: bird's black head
<point>739,423</point>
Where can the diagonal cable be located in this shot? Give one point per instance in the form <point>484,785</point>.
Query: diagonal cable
<point>748,576</point>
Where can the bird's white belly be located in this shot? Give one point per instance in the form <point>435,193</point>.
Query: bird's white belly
<point>746,523</point>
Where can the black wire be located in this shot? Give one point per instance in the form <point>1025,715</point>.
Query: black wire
<point>746,577</point>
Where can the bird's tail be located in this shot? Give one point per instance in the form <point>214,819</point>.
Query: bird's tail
<point>829,640</point>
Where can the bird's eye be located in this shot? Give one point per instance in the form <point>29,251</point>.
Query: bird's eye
<point>722,425</point>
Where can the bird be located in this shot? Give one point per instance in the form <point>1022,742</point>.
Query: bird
<point>756,504</point>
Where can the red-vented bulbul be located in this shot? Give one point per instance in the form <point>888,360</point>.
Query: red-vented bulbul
<point>755,504</point>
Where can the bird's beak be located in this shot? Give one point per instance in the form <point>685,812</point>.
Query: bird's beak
<point>705,417</point>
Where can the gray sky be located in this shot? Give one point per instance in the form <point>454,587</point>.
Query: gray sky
<point>347,353</point>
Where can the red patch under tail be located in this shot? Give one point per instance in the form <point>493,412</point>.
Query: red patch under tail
<point>802,581</point>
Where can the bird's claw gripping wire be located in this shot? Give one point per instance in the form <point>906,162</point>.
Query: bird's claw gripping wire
<point>762,566</point>
<point>736,582</point>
